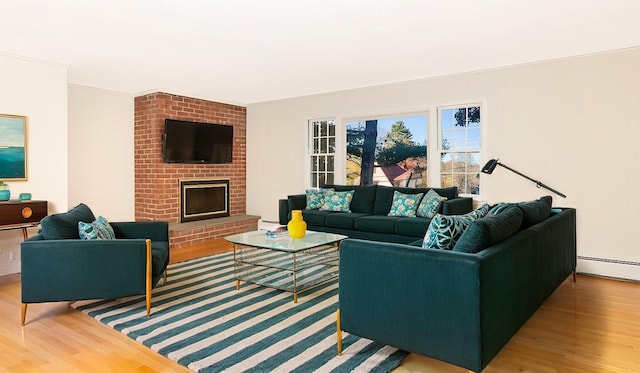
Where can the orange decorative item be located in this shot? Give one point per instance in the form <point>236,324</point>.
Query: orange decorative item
<point>297,227</point>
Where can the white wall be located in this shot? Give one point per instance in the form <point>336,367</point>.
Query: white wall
<point>80,145</point>
<point>38,91</point>
<point>101,164</point>
<point>569,123</point>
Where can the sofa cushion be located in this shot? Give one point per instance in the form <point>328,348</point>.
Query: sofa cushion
<point>315,217</point>
<point>315,198</point>
<point>343,220</point>
<point>337,201</point>
<point>413,227</point>
<point>99,229</point>
<point>64,225</point>
<point>376,223</point>
<point>430,205</point>
<point>363,196</point>
<point>445,230</point>
<point>404,204</point>
<point>490,230</point>
<point>535,211</point>
<point>499,207</point>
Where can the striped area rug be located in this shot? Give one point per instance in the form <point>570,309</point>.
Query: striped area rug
<point>201,321</point>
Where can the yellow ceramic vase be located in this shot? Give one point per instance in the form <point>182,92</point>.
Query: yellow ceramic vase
<point>297,226</point>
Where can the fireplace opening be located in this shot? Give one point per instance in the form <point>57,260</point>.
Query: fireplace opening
<point>203,199</point>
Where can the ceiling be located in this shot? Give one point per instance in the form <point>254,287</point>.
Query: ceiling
<point>248,51</point>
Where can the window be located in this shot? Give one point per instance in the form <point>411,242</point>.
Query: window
<point>387,151</point>
<point>460,145</point>
<point>322,148</point>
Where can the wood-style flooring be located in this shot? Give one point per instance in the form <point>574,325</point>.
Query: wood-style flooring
<point>590,326</point>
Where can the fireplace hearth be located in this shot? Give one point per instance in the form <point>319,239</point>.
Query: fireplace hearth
<point>203,199</point>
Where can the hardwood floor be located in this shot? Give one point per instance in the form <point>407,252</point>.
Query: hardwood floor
<point>589,326</point>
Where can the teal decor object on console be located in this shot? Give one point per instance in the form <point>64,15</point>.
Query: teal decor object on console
<point>5,194</point>
<point>24,197</point>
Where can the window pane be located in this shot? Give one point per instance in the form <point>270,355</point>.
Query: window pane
<point>461,135</point>
<point>314,164</point>
<point>330,163</point>
<point>323,146</point>
<point>332,145</point>
<point>447,118</point>
<point>399,147</point>
<point>322,163</point>
<point>329,179</point>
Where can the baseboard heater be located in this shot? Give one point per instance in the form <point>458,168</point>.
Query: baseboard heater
<point>620,269</point>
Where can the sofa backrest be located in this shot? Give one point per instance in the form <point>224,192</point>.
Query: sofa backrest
<point>64,225</point>
<point>363,196</point>
<point>384,196</point>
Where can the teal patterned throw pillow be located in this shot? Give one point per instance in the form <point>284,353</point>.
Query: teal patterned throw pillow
<point>315,198</point>
<point>99,229</point>
<point>445,230</point>
<point>430,204</point>
<point>404,204</point>
<point>337,201</point>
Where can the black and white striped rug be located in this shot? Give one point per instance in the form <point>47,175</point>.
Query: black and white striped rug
<point>201,321</point>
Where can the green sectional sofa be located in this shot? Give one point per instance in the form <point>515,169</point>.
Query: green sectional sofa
<point>368,218</point>
<point>463,305</point>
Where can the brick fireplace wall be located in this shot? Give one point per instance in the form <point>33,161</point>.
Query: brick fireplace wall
<point>157,184</point>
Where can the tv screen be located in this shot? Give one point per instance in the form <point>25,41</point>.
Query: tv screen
<point>194,142</point>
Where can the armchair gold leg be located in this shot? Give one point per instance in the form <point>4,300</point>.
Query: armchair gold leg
<point>23,314</point>
<point>339,332</point>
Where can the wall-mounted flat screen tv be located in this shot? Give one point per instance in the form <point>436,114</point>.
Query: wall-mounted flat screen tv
<point>195,142</point>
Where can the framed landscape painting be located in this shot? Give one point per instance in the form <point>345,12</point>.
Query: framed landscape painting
<point>13,147</point>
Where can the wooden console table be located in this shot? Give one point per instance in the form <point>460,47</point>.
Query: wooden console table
<point>16,214</point>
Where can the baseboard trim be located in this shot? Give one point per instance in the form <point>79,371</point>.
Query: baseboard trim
<point>611,268</point>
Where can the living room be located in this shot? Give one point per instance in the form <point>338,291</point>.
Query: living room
<point>565,118</point>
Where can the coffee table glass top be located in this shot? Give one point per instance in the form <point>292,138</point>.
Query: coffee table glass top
<point>284,243</point>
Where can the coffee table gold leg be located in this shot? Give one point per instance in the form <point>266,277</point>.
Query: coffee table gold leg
<point>237,284</point>
<point>295,297</point>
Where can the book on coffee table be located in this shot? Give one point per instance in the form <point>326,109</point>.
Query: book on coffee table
<point>277,232</point>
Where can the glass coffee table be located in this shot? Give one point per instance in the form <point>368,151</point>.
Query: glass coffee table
<point>285,263</point>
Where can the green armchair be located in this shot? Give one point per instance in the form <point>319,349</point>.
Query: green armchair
<point>57,265</point>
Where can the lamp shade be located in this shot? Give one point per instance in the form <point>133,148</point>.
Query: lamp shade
<point>490,166</point>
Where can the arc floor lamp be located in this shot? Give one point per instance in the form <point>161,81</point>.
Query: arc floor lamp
<point>491,165</point>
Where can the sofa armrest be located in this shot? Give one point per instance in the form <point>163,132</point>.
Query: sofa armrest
<point>283,211</point>
<point>293,202</point>
<point>297,202</point>
<point>65,270</point>
<point>457,206</point>
<point>153,230</point>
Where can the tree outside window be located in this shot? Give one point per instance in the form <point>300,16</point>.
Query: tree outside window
<point>390,151</point>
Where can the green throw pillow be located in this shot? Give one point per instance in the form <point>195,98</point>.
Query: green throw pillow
<point>99,229</point>
<point>490,230</point>
<point>337,201</point>
<point>404,204</point>
<point>445,230</point>
<point>64,225</point>
<point>430,204</point>
<point>535,211</point>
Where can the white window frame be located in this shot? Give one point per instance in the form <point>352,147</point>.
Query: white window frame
<point>440,150</point>
<point>313,176</point>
